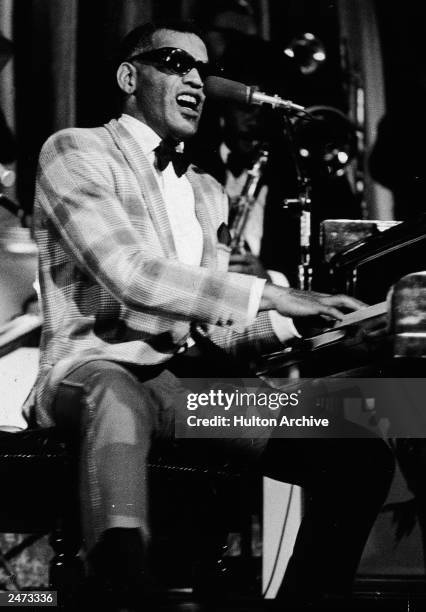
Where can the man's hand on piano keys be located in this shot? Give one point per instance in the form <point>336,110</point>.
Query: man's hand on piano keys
<point>295,303</point>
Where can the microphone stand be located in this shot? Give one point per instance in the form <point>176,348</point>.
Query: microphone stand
<point>303,203</point>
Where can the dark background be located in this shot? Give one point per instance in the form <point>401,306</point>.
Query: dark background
<point>100,25</point>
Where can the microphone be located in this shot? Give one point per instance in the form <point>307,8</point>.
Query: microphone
<point>218,88</point>
<point>7,177</point>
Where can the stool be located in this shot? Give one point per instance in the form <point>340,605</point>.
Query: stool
<point>38,470</point>
<point>39,497</point>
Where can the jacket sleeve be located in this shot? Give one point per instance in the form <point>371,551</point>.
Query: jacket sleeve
<point>256,339</point>
<point>76,193</point>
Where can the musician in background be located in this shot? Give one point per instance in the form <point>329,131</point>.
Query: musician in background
<point>230,141</point>
<point>229,135</point>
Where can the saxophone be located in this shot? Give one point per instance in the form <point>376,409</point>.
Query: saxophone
<point>245,202</point>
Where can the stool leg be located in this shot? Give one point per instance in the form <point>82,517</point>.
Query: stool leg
<point>66,570</point>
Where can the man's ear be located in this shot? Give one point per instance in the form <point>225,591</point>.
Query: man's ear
<point>127,77</point>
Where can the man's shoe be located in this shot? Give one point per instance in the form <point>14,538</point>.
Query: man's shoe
<point>119,578</point>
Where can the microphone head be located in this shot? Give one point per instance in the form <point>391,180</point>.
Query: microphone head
<point>218,88</point>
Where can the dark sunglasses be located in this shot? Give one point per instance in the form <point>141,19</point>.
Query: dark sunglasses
<point>176,60</point>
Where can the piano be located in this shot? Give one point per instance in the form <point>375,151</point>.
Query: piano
<point>385,339</point>
<point>385,269</point>
<point>368,268</point>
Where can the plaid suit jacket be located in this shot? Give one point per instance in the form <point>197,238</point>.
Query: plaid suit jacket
<point>111,283</point>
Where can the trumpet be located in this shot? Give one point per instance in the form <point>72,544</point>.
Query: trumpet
<point>245,202</point>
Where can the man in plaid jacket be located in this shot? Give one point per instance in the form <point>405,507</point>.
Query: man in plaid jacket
<point>133,280</point>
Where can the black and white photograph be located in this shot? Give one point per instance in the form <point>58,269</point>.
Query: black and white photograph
<point>213,305</point>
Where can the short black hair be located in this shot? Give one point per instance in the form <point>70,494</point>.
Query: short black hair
<point>140,38</point>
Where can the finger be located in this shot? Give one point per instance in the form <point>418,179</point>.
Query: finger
<point>239,258</point>
<point>318,294</point>
<point>354,303</point>
<point>375,333</point>
<point>375,326</point>
<point>340,299</point>
<point>238,269</point>
<point>344,301</point>
<point>331,311</point>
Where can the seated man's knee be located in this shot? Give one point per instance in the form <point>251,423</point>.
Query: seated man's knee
<point>112,400</point>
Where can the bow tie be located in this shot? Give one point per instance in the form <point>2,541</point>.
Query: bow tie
<point>166,153</point>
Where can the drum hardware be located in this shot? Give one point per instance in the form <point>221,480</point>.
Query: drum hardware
<point>303,204</point>
<point>321,142</point>
<point>18,269</point>
<point>307,51</point>
<point>7,176</point>
<point>328,143</point>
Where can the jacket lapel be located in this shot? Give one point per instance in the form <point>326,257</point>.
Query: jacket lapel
<point>147,182</point>
<point>204,198</point>
<point>204,204</point>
